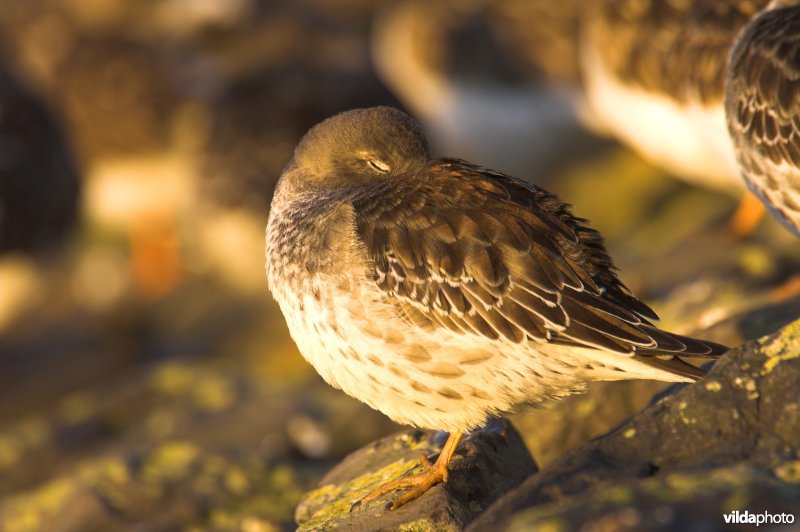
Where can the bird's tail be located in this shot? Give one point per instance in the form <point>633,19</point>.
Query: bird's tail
<point>671,347</point>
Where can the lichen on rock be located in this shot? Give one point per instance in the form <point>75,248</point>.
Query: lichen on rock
<point>487,464</point>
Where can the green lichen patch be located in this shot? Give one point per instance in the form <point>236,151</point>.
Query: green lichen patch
<point>27,435</point>
<point>616,494</point>
<point>213,392</point>
<point>789,471</point>
<point>331,501</point>
<point>30,511</point>
<point>546,517</point>
<point>77,408</point>
<point>169,461</point>
<point>785,346</point>
<point>173,378</point>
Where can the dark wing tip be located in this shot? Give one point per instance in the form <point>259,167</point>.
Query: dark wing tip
<point>675,366</point>
<point>701,348</point>
<point>716,349</point>
<point>668,343</point>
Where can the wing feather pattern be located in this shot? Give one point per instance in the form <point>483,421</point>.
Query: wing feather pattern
<point>478,252</point>
<point>762,106</point>
<point>764,103</point>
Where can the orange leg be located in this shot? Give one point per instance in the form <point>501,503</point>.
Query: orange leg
<point>155,256</point>
<point>748,214</point>
<point>787,290</point>
<point>432,474</point>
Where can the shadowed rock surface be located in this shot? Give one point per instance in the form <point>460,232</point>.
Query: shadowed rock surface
<point>487,464</point>
<point>675,501</point>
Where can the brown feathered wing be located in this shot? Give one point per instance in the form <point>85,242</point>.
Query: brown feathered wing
<point>475,251</point>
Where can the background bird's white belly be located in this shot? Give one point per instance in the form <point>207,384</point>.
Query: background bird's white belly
<point>434,378</point>
<point>687,139</point>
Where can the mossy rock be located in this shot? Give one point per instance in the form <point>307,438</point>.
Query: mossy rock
<point>487,464</point>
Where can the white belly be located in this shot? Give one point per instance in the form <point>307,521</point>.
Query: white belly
<point>689,140</point>
<point>433,379</point>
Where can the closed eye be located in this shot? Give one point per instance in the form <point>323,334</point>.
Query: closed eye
<point>378,166</point>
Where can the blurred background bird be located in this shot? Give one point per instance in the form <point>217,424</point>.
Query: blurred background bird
<point>495,81</point>
<point>654,77</point>
<point>39,191</point>
<point>39,178</point>
<point>762,104</point>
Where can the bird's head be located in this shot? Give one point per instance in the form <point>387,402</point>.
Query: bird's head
<point>359,147</point>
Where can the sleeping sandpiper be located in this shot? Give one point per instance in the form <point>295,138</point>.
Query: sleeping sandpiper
<point>442,293</point>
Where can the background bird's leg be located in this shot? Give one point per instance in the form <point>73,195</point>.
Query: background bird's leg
<point>747,216</point>
<point>419,483</point>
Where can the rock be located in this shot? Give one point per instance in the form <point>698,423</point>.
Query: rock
<point>729,442</point>
<point>676,501</point>
<point>487,464</point>
<point>551,432</point>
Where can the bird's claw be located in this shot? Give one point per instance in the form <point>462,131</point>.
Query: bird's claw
<point>418,483</point>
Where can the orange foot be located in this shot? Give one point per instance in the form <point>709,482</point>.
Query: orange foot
<point>747,216</point>
<point>419,483</point>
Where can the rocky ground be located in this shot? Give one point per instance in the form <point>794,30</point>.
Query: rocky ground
<point>491,462</point>
<point>729,442</point>
<point>147,380</point>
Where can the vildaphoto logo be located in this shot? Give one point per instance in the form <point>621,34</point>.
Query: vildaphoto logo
<point>762,518</point>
